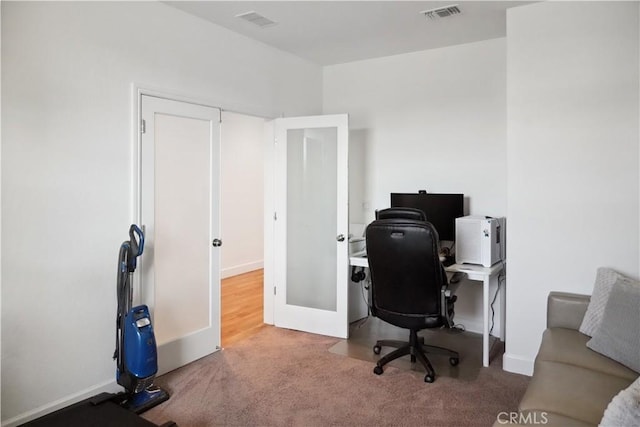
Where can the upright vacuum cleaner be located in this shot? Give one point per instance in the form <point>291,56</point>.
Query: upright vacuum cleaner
<point>136,353</point>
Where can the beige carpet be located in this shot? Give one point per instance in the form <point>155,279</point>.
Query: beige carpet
<point>286,378</point>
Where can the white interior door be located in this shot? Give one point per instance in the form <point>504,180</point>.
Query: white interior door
<point>179,209</point>
<point>311,224</point>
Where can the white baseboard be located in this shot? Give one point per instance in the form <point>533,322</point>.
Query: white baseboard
<point>108,386</point>
<point>240,269</point>
<point>517,364</point>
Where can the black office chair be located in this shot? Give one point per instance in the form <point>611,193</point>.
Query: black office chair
<point>409,285</point>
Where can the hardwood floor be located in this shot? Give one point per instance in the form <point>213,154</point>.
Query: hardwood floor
<point>242,306</point>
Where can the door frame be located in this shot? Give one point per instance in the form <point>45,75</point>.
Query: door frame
<point>269,223</point>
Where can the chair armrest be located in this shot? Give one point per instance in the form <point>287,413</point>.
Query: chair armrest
<point>566,310</point>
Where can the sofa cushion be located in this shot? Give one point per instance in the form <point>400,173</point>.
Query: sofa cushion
<point>571,391</point>
<point>618,336</point>
<point>570,346</point>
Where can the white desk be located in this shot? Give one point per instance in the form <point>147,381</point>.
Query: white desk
<point>474,272</point>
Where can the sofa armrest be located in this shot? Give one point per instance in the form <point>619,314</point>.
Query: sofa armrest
<point>566,310</point>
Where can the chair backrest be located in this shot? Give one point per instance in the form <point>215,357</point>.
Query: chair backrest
<point>406,274</point>
<point>406,213</point>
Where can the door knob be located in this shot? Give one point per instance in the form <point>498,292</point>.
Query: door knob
<point>216,242</point>
<point>340,237</point>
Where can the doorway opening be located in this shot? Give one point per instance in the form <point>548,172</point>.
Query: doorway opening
<point>242,226</point>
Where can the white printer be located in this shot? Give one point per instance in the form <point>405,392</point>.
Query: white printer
<point>480,240</point>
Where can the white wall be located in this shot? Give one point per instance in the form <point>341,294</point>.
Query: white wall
<point>433,120</point>
<point>242,204</point>
<point>572,156</point>
<point>68,69</point>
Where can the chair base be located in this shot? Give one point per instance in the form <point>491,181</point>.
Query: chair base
<point>417,349</point>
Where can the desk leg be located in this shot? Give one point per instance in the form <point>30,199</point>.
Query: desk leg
<point>503,311</point>
<point>485,328</point>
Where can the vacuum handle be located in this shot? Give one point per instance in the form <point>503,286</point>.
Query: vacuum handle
<point>136,238</point>
<point>136,246</point>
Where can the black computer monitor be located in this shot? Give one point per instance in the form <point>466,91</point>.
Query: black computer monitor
<point>441,210</point>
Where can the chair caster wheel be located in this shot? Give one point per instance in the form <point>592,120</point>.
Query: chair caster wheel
<point>429,378</point>
<point>377,349</point>
<point>453,361</point>
<point>378,370</point>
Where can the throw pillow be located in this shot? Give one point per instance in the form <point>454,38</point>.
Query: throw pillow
<point>618,336</point>
<point>624,408</point>
<point>605,278</point>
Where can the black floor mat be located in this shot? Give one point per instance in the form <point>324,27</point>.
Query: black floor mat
<point>86,413</point>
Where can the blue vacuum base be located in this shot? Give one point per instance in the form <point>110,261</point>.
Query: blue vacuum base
<point>145,400</point>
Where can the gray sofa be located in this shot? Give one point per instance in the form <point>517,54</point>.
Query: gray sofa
<point>571,384</point>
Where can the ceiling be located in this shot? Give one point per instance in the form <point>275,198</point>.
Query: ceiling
<point>334,32</point>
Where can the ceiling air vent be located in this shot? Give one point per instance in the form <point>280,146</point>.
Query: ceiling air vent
<point>441,12</point>
<point>256,19</point>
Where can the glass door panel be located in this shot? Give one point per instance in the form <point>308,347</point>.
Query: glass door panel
<point>311,217</point>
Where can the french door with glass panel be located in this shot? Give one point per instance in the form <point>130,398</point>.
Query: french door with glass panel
<point>311,224</point>
<point>179,209</point>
